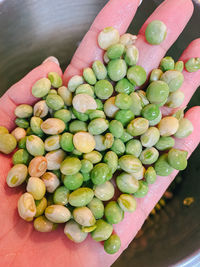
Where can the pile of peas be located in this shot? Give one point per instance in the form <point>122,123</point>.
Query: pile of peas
<point>75,139</point>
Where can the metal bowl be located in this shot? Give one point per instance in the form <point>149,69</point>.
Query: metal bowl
<point>33,30</point>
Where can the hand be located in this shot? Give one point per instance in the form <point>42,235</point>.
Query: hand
<point>20,245</point>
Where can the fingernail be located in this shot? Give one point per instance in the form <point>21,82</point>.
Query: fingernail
<point>140,2</point>
<point>52,59</point>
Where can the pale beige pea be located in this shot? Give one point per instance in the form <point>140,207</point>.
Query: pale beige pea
<point>38,166</point>
<point>84,216</point>
<point>73,231</point>
<point>26,207</point>
<point>17,175</point>
<point>84,102</point>
<point>41,224</point>
<point>109,107</point>
<point>36,187</point>
<point>40,109</point>
<point>54,159</point>
<point>52,143</point>
<point>18,133</point>
<point>84,142</point>
<point>168,126</point>
<point>51,181</point>
<point>57,214</point>
<point>53,126</point>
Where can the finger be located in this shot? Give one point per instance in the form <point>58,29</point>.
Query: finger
<point>175,15</point>
<point>20,92</point>
<point>132,222</point>
<point>191,80</point>
<point>116,13</point>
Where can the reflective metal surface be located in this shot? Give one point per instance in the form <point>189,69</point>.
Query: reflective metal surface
<point>32,30</point>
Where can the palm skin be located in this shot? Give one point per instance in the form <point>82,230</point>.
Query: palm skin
<point>20,244</point>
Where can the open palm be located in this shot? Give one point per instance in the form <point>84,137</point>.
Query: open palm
<point>20,244</point>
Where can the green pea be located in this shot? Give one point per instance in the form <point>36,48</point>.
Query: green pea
<point>115,51</point>
<point>127,202</point>
<point>35,145</point>
<point>66,142</point>
<point>134,147</point>
<point>98,126</point>
<point>155,32</point>
<point>53,91</point>
<point>127,183</point>
<point>143,189</point>
<point>35,124</point>
<point>54,101</point>
<point>117,69</point>
<point>41,88</point>
<point>150,137</point>
<point>70,166</point>
<point>74,232</point>
<point>74,82</point>
<point>99,104</point>
<point>66,95</point>
<point>137,75</point>
<point>150,112</point>
<point>124,116</point>
<point>89,76</point>
<point>23,111</point>
<point>100,173</point>
<point>165,143</point>
<point>116,128</point>
<point>21,156</point>
<point>22,123</point>
<point>173,78</point>
<point>138,126</point>
<point>7,143</point>
<point>77,126</point>
<point>193,64</point>
<point>86,166</point>
<point>124,86</point>
<point>104,191</point>
<point>61,196</point>
<point>81,197</point>
<point>85,89</point>
<point>112,244</point>
<point>157,92</point>
<point>93,156</point>
<point>63,114</point>
<point>149,156</point>
<point>137,105</point>
<point>55,79</point>
<point>95,114</point>
<point>131,55</point>
<point>167,63</point>
<point>179,66</point>
<point>113,213</point>
<point>162,166</point>
<point>177,159</point>
<point>150,175</point>
<point>118,147</point>
<point>22,143</point>
<point>126,137</point>
<point>155,75</point>
<point>74,181</point>
<point>185,128</point>
<point>97,208</point>
<point>130,164</point>
<point>103,231</point>
<point>99,70</point>
<point>80,116</point>
<point>103,89</point>
<point>123,101</point>
<point>111,159</point>
<point>86,176</point>
<point>156,120</point>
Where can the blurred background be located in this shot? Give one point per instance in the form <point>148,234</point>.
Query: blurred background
<point>33,30</point>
